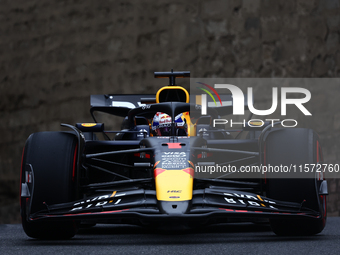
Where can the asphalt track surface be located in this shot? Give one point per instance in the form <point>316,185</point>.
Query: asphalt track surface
<point>240,238</point>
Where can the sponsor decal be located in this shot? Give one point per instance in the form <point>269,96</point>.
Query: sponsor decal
<point>96,201</point>
<point>174,191</point>
<point>246,199</point>
<point>117,202</point>
<point>88,124</point>
<point>174,160</point>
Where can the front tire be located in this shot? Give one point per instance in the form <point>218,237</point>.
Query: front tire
<point>295,147</point>
<point>52,156</point>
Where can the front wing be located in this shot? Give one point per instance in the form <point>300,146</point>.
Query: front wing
<point>207,205</point>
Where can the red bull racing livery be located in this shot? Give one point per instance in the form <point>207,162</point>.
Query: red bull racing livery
<point>147,172</point>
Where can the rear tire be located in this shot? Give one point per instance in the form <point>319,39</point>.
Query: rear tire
<point>52,156</point>
<point>296,146</point>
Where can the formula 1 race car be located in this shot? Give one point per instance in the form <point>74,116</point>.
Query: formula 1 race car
<point>147,172</point>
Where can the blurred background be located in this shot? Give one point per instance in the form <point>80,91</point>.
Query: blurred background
<point>54,54</point>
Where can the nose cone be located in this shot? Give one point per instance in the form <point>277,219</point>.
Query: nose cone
<point>174,208</point>
<point>174,185</point>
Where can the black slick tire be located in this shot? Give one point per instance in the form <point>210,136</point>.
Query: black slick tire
<point>52,156</point>
<point>295,146</point>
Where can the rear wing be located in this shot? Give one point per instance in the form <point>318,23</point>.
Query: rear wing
<point>119,105</point>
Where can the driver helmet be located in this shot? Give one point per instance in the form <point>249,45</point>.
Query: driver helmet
<point>161,124</point>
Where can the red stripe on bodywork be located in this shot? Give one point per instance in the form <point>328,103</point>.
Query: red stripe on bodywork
<point>156,163</point>
<point>158,171</point>
<point>71,214</point>
<point>192,164</point>
<point>174,145</point>
<point>138,155</point>
<point>281,213</point>
<point>228,210</point>
<point>74,162</point>
<point>189,170</point>
<point>209,154</point>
